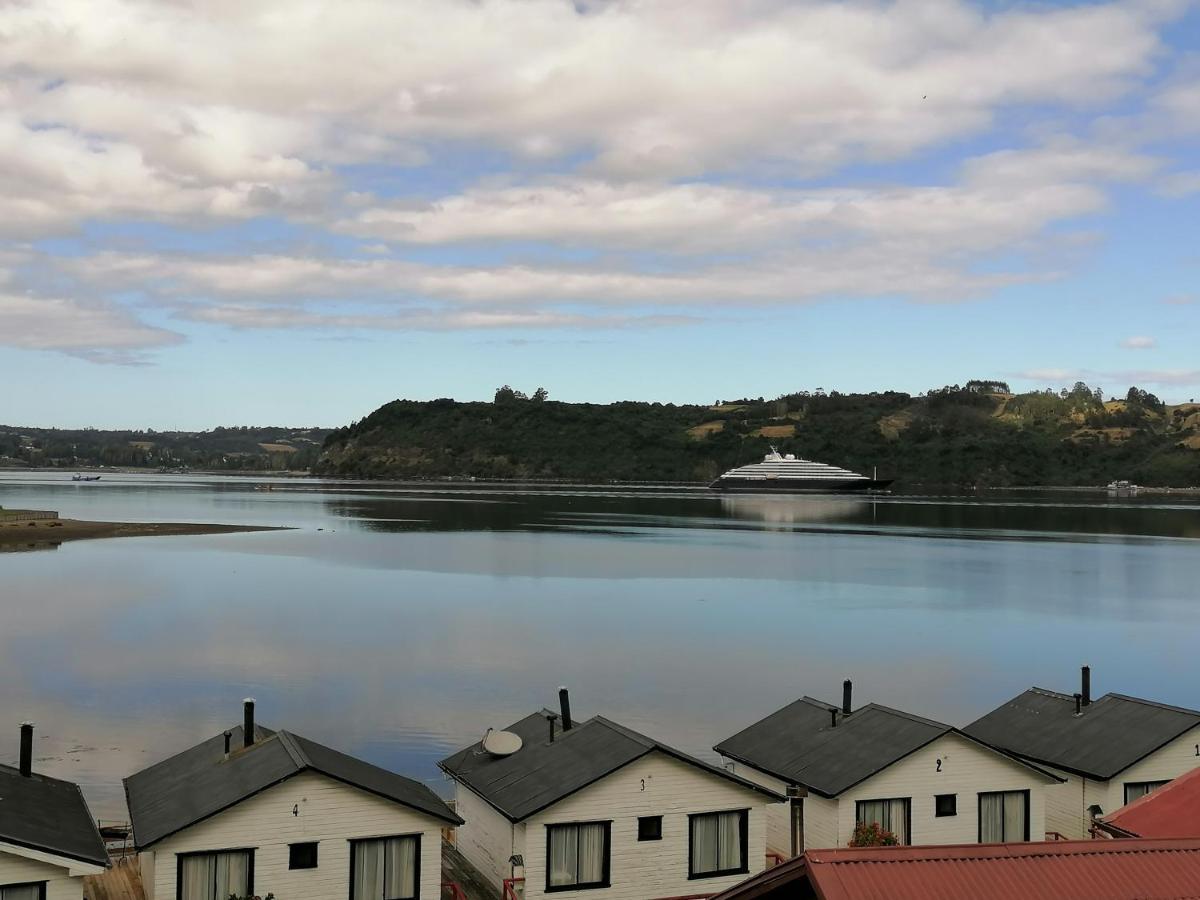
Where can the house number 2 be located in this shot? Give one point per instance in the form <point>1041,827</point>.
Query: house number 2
<point>939,766</point>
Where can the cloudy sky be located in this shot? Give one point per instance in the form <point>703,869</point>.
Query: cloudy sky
<point>214,211</point>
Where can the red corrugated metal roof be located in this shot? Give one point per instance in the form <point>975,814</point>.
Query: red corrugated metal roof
<point>1055,870</point>
<point>1171,811</point>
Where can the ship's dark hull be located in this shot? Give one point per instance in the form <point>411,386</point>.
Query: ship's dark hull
<point>800,485</point>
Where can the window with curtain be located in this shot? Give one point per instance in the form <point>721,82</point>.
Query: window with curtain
<point>1135,789</point>
<point>577,855</point>
<point>1003,816</point>
<point>36,891</point>
<point>385,868</point>
<point>717,844</point>
<point>891,815</point>
<point>214,876</point>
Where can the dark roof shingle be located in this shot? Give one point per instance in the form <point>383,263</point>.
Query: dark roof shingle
<point>543,772</point>
<point>200,782</point>
<point>1112,734</point>
<point>50,815</point>
<point>800,744</point>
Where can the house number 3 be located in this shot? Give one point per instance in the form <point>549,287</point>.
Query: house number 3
<point>643,784</point>
<point>939,766</point>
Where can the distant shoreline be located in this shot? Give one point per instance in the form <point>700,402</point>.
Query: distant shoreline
<point>57,531</point>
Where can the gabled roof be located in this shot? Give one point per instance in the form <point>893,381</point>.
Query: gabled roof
<point>1052,870</point>
<point>200,782</point>
<point>1109,736</point>
<point>42,813</point>
<point>799,744</point>
<point>544,772</point>
<point>1171,811</point>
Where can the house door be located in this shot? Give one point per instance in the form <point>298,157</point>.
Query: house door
<point>797,816</point>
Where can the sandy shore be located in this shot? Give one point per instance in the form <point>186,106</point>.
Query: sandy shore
<point>59,530</point>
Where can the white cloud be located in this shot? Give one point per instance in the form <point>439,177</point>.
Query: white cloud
<point>226,95</point>
<point>96,332</point>
<point>1139,342</point>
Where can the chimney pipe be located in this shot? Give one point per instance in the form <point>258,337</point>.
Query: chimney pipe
<point>1079,704</point>
<point>564,703</point>
<point>550,718</point>
<point>248,722</point>
<point>26,764</point>
<point>228,739</point>
<point>833,717</point>
<point>847,688</point>
<point>1087,685</point>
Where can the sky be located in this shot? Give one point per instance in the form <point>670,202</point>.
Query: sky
<point>292,212</point>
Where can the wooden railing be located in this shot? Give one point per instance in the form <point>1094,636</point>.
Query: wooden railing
<point>454,889</point>
<point>1055,836</point>
<point>511,891</point>
<point>775,859</point>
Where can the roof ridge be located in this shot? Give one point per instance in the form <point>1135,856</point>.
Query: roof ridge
<point>912,853</point>
<point>1057,695</point>
<point>41,776</point>
<point>294,750</point>
<point>648,742</point>
<point>907,715</point>
<point>1154,703</point>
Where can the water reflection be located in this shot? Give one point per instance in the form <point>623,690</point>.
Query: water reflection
<point>398,623</point>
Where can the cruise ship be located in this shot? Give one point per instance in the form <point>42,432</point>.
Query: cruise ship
<point>789,474</point>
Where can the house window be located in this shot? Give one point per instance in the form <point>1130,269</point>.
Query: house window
<point>1003,816</point>
<point>214,876</point>
<point>892,815</point>
<point>1135,789</point>
<point>31,891</point>
<point>718,843</point>
<point>385,868</point>
<point>577,856</point>
<point>302,856</point>
<point>945,805</point>
<point>650,828</point>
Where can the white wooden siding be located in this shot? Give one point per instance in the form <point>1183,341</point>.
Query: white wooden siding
<point>779,823</point>
<point>59,884</point>
<point>820,822</point>
<point>655,785</point>
<point>487,838</point>
<point>967,770</point>
<point>330,813</point>
<point>1067,804</point>
<point>1170,761</point>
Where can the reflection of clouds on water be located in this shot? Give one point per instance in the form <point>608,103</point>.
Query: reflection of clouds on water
<point>797,509</point>
<point>687,618</point>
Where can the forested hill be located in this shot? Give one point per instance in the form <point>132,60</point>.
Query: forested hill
<point>979,434</point>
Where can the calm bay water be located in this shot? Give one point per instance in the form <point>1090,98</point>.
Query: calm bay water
<point>398,623</point>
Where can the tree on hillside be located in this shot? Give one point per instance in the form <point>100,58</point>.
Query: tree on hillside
<point>540,395</point>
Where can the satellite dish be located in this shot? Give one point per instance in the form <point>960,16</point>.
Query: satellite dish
<point>501,743</point>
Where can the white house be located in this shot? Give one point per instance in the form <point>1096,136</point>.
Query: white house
<point>593,806</point>
<point>48,841</point>
<point>255,811</point>
<point>1107,752</point>
<point>924,781</point>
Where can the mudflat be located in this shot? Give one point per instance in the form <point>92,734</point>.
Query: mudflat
<point>57,530</point>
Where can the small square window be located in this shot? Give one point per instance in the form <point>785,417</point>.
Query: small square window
<point>302,856</point>
<point>650,828</point>
<point>945,805</point>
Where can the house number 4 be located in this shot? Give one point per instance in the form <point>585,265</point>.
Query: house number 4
<point>296,810</point>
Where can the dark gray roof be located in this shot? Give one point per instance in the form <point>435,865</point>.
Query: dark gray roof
<point>1112,734</point>
<point>200,782</point>
<point>800,745</point>
<point>46,814</point>
<point>543,772</point>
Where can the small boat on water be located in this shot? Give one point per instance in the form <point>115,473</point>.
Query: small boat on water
<point>80,477</point>
<point>1122,488</point>
<point>788,473</point>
